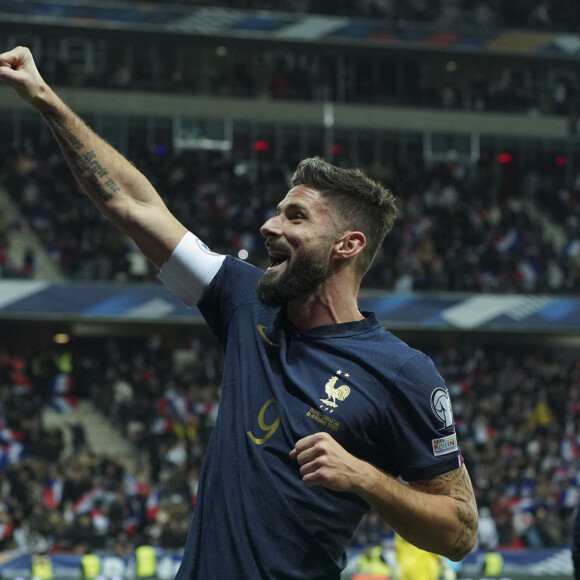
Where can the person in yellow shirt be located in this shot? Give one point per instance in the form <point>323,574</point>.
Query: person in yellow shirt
<point>41,567</point>
<point>414,563</point>
<point>372,564</point>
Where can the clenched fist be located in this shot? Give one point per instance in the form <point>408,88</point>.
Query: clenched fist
<point>325,462</point>
<point>17,69</point>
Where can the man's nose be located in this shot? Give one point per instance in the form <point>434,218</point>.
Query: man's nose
<point>271,228</point>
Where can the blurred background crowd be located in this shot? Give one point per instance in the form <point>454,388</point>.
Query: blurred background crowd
<point>489,227</point>
<point>505,222</point>
<point>517,415</point>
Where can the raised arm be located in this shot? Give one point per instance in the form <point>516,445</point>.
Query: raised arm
<point>438,515</point>
<point>120,191</point>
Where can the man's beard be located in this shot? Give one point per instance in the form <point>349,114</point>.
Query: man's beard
<point>303,273</point>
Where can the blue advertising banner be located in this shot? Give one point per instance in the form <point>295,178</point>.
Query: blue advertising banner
<point>174,18</point>
<point>154,303</point>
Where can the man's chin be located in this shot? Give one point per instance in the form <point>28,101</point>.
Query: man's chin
<point>271,290</point>
<point>269,298</point>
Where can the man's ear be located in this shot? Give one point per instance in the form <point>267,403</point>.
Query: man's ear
<point>349,245</point>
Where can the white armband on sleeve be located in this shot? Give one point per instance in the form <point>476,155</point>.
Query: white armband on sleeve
<point>190,269</point>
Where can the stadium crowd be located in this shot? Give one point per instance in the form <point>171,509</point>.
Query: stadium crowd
<point>517,416</point>
<point>67,499</point>
<point>493,227</point>
<point>462,228</point>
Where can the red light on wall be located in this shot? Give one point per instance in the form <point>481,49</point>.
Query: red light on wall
<point>335,149</point>
<point>560,160</point>
<point>504,158</point>
<point>261,145</point>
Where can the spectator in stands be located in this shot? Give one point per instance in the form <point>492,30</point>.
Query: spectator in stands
<point>487,536</point>
<point>78,436</point>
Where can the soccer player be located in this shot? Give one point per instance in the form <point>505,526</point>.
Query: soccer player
<point>321,410</point>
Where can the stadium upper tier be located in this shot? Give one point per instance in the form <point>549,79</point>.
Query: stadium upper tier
<point>195,49</point>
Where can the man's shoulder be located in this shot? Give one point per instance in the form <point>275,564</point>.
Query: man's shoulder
<point>236,277</point>
<point>232,287</point>
<point>237,267</point>
<point>393,348</point>
<point>399,362</point>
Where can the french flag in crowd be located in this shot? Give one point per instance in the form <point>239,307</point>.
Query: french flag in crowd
<point>160,425</point>
<point>11,452</point>
<point>131,484</point>
<point>61,390</point>
<point>509,241</point>
<point>176,403</point>
<point>134,487</point>
<point>52,493</point>
<point>153,504</point>
<point>525,504</point>
<point>8,435</point>
<point>88,500</point>
<point>528,271</point>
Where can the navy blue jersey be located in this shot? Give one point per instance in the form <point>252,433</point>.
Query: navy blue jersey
<point>381,400</point>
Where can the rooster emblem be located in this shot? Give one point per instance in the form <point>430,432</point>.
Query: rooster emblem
<point>340,393</point>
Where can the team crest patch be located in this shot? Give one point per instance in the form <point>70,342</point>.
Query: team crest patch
<point>334,393</point>
<point>444,445</point>
<point>205,248</point>
<point>441,407</point>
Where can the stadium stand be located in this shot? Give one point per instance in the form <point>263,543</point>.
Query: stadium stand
<point>506,223</point>
<point>486,228</point>
<point>516,410</point>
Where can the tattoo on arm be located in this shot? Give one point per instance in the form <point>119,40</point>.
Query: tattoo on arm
<point>457,485</point>
<point>84,162</point>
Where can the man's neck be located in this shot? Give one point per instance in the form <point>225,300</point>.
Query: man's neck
<point>328,305</point>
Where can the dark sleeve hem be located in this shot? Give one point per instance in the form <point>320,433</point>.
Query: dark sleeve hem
<point>427,471</point>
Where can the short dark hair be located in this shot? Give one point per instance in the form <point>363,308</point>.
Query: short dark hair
<point>358,202</point>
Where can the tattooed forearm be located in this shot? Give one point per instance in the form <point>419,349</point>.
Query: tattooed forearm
<point>62,133</point>
<point>467,516</point>
<point>456,485</point>
<point>85,164</point>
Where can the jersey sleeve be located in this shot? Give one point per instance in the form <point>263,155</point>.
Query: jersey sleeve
<point>421,416</point>
<point>233,287</point>
<point>190,269</point>
<point>216,283</point>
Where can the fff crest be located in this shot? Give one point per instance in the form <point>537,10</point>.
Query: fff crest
<point>334,393</point>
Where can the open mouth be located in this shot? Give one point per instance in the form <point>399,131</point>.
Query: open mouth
<point>276,262</point>
<point>278,256</point>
